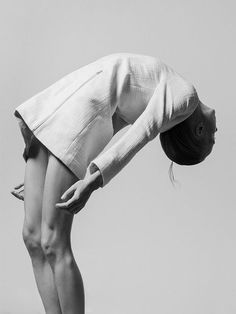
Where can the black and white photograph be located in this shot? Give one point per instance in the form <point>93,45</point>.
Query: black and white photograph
<point>118,150</point>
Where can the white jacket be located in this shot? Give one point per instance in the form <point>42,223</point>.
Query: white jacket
<point>146,93</point>
<point>78,115</point>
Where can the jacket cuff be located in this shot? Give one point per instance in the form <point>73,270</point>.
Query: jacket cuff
<point>104,166</point>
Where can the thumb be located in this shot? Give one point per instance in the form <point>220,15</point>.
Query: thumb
<point>68,192</point>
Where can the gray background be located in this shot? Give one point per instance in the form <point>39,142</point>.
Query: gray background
<point>141,245</point>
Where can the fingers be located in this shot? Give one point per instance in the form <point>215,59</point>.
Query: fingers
<point>68,192</point>
<point>76,202</point>
<point>19,186</point>
<point>67,204</point>
<point>18,191</point>
<point>18,195</point>
<point>74,208</point>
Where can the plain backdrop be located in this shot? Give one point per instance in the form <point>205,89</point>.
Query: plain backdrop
<point>141,245</point>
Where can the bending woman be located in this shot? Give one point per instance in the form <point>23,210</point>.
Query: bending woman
<point>66,127</point>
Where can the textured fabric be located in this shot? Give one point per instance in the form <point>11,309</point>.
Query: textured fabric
<point>77,116</point>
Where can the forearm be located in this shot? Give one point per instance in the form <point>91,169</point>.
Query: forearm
<point>171,103</point>
<point>95,180</point>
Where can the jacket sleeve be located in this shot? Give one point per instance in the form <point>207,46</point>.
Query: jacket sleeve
<point>171,103</point>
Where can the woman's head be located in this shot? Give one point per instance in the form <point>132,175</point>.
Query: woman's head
<point>191,141</point>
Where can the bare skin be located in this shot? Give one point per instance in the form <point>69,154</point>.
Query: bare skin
<point>35,172</point>
<point>203,122</point>
<point>46,230</point>
<point>52,194</point>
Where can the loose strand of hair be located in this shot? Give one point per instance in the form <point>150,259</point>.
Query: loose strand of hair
<point>171,175</point>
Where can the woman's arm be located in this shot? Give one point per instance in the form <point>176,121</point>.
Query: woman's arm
<point>172,102</point>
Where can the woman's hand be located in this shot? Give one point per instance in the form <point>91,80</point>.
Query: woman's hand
<point>80,193</point>
<point>18,191</point>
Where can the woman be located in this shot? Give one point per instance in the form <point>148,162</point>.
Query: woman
<point>67,125</point>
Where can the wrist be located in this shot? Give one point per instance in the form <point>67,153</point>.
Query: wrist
<point>96,180</point>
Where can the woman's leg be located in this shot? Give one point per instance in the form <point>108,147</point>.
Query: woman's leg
<point>34,182</point>
<point>56,242</point>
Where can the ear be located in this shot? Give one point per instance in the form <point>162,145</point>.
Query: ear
<point>200,129</point>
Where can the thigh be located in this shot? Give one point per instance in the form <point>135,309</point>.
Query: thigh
<point>35,171</point>
<point>55,221</point>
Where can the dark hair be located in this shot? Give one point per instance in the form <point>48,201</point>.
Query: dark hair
<point>182,146</point>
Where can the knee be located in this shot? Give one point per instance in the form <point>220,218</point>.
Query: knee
<point>32,240</point>
<point>49,248</point>
<point>55,247</point>
<point>50,245</point>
